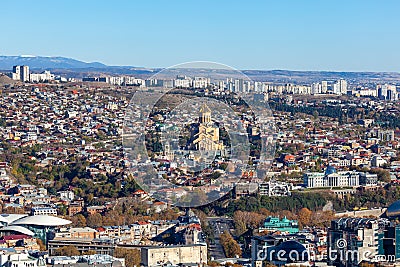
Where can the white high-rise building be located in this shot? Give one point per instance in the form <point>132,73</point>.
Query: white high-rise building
<point>239,86</point>
<point>21,73</point>
<point>221,86</point>
<point>182,81</point>
<point>324,87</point>
<point>259,87</point>
<point>340,87</point>
<point>16,74</point>
<point>316,89</point>
<point>200,82</point>
<point>247,86</point>
<point>25,74</point>
<point>387,92</point>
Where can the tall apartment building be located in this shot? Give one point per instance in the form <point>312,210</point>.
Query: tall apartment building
<point>340,87</point>
<point>387,92</point>
<point>200,82</point>
<point>182,81</point>
<point>324,87</point>
<point>21,73</point>
<point>16,74</point>
<point>316,88</point>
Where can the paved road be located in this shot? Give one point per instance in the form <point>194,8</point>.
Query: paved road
<point>219,225</point>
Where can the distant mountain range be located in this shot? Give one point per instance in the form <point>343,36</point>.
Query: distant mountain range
<point>69,67</point>
<point>36,62</point>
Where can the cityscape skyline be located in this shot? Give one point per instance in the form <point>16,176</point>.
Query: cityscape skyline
<point>329,36</point>
<point>209,134</point>
<point>325,177</point>
<point>99,65</point>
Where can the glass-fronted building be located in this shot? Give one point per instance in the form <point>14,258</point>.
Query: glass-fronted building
<point>354,240</point>
<point>42,226</point>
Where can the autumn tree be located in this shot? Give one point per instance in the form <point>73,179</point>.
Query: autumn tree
<point>383,175</point>
<point>268,264</point>
<point>304,217</point>
<point>288,214</point>
<point>265,212</point>
<point>89,252</point>
<point>367,264</point>
<point>94,220</point>
<point>322,218</point>
<point>67,251</point>
<point>112,217</point>
<point>213,264</point>
<point>246,220</point>
<point>131,256</point>
<point>78,220</point>
<point>14,210</point>
<point>231,247</point>
<point>42,246</point>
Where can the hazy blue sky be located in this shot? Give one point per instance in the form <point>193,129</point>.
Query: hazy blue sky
<point>344,35</point>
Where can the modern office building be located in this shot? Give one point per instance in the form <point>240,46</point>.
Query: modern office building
<point>390,244</point>
<point>352,240</point>
<point>274,188</point>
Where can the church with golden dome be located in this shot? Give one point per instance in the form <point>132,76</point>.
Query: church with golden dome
<point>207,138</point>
